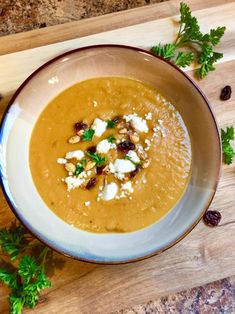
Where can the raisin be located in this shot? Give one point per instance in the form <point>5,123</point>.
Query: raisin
<point>99,169</point>
<point>212,218</point>
<point>226,93</point>
<point>91,149</point>
<point>91,183</point>
<point>126,146</point>
<point>134,173</point>
<point>117,119</point>
<point>80,126</point>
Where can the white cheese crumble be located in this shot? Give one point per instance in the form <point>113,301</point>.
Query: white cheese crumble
<point>127,187</point>
<point>138,123</point>
<point>99,126</point>
<point>119,176</point>
<point>109,192</point>
<point>133,156</point>
<point>104,146</point>
<point>61,161</point>
<point>111,167</point>
<point>123,166</point>
<point>73,182</point>
<point>149,116</point>
<point>78,154</point>
<point>87,203</point>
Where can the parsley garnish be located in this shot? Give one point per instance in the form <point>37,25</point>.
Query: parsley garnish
<point>27,279</point>
<point>79,169</point>
<point>111,139</point>
<point>228,151</point>
<point>88,135</point>
<point>99,160</point>
<point>110,124</point>
<point>190,37</point>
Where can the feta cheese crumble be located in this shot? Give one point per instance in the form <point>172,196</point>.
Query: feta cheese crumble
<point>133,156</point>
<point>138,123</point>
<point>127,187</point>
<point>149,116</point>
<point>123,166</point>
<point>78,154</point>
<point>109,192</point>
<point>104,146</point>
<point>73,182</point>
<point>61,161</point>
<point>99,126</point>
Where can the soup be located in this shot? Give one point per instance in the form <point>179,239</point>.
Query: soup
<point>110,154</point>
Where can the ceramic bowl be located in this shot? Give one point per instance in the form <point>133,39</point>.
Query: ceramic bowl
<point>85,63</point>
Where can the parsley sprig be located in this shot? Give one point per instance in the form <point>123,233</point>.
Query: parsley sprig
<point>110,124</point>
<point>88,135</point>
<point>228,151</point>
<point>99,160</point>
<point>190,37</point>
<point>28,279</point>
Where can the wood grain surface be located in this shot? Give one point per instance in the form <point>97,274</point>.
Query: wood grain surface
<point>206,254</point>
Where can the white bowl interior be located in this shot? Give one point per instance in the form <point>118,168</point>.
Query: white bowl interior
<point>96,62</point>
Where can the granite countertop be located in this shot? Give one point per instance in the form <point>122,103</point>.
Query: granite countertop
<point>22,15</point>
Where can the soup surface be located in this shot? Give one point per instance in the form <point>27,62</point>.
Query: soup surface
<point>110,155</point>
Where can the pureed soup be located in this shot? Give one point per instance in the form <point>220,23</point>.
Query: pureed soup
<point>110,155</point>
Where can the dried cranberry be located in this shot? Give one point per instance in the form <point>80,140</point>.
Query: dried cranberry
<point>91,149</point>
<point>91,183</point>
<point>134,173</point>
<point>80,126</point>
<point>126,146</point>
<point>226,93</point>
<point>99,169</point>
<point>117,119</point>
<point>212,218</point>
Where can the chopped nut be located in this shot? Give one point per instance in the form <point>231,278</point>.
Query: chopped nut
<point>123,131</point>
<point>121,125</point>
<point>141,153</point>
<point>74,139</point>
<point>70,167</point>
<point>90,164</point>
<point>134,138</point>
<point>146,163</point>
<point>80,133</point>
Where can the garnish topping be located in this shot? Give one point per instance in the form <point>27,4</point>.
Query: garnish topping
<point>190,37</point>
<point>110,124</point>
<point>88,135</point>
<point>126,146</point>
<point>111,139</point>
<point>99,160</point>
<point>228,151</point>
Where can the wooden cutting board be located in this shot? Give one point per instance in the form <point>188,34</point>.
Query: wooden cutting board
<point>205,254</point>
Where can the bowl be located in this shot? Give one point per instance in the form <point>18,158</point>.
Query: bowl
<point>96,61</point>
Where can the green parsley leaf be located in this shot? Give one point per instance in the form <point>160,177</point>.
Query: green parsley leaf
<point>166,51</point>
<point>10,241</point>
<point>228,151</point>
<point>8,279</point>
<point>83,163</point>
<point>26,281</point>
<point>184,59</point>
<point>111,139</point>
<point>190,37</point>
<point>214,36</point>
<point>99,160</point>
<point>207,60</point>
<point>88,135</point>
<point>79,169</point>
<point>110,124</point>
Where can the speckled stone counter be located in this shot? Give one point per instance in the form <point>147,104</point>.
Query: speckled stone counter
<point>22,15</point>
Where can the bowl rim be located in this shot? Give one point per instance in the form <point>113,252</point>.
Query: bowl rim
<point>131,260</point>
